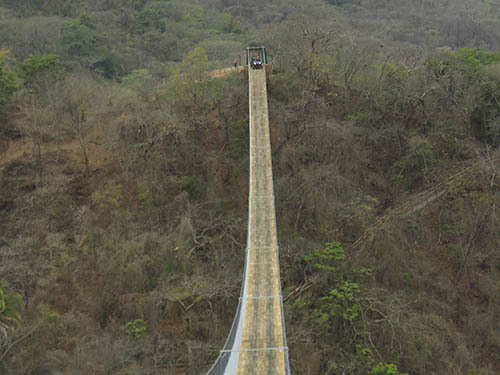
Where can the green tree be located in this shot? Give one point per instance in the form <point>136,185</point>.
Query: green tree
<point>194,64</point>
<point>79,36</point>
<point>149,17</point>
<point>325,259</point>
<point>105,63</point>
<point>41,70</point>
<point>340,302</point>
<point>7,83</point>
<point>476,57</point>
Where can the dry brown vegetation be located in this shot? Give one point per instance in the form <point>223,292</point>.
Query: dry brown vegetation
<point>123,183</point>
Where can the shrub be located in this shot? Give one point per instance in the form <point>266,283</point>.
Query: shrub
<point>10,304</point>
<point>385,369</point>
<point>137,328</point>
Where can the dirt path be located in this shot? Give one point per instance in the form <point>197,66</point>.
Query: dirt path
<point>223,72</point>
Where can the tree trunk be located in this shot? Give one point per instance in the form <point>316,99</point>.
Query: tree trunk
<point>38,152</point>
<point>85,154</point>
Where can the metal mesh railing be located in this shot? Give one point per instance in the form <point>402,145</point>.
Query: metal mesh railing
<point>221,364</point>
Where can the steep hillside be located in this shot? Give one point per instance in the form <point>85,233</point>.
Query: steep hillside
<point>124,182</point>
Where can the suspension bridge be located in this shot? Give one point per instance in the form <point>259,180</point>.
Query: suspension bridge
<point>257,341</point>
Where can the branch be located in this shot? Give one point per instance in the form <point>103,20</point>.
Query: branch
<point>22,338</point>
<point>299,290</point>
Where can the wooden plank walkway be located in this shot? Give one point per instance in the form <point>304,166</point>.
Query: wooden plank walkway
<point>256,344</point>
<point>263,344</point>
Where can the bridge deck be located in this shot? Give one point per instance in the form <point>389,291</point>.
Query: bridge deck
<point>257,344</point>
<point>263,323</point>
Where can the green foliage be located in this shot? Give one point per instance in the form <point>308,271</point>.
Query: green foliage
<point>194,187</point>
<point>391,86</point>
<point>358,116</point>
<point>326,259</point>
<point>469,79</point>
<point>228,24</point>
<point>139,4</point>
<point>10,306</point>
<point>107,199</point>
<point>190,88</point>
<point>476,57</point>
<point>196,61</point>
<point>37,68</point>
<point>416,162</point>
<point>485,117</point>
<point>385,369</point>
<point>85,20</point>
<point>136,76</point>
<point>192,68</point>
<point>49,313</point>
<point>363,359</point>
<point>212,20</point>
<point>163,7</point>
<point>149,17</point>
<point>431,36</point>
<point>137,328</point>
<point>106,64</point>
<point>7,83</point>
<point>79,36</point>
<point>340,302</point>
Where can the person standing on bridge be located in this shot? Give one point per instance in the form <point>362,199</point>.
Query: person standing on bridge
<point>235,62</point>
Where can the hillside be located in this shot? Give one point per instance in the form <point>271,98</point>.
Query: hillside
<point>124,183</point>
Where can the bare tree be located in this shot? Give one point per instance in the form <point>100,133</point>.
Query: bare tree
<point>34,126</point>
<point>78,93</point>
<point>302,43</point>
